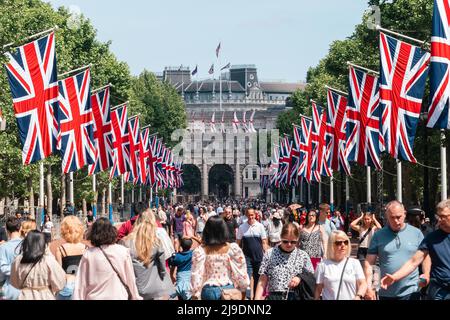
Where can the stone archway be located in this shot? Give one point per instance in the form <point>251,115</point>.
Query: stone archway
<point>221,179</point>
<point>192,179</point>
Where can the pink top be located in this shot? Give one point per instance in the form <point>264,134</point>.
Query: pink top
<point>219,269</point>
<point>96,280</point>
<point>188,229</point>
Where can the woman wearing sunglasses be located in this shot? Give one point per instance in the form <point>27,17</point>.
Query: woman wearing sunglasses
<point>282,266</point>
<point>340,277</point>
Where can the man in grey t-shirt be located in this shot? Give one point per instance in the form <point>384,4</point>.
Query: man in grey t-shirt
<point>395,244</point>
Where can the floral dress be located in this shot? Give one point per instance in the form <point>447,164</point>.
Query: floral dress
<point>311,243</point>
<point>219,269</point>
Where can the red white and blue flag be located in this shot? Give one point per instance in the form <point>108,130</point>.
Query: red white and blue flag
<point>102,131</point>
<point>134,138</point>
<point>404,70</point>
<point>319,146</point>
<point>439,111</point>
<point>364,141</point>
<point>32,76</point>
<point>305,168</point>
<point>336,135</point>
<point>144,155</point>
<point>152,177</point>
<point>120,142</point>
<point>76,122</point>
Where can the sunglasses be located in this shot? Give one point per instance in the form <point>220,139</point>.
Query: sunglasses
<point>338,243</point>
<point>289,242</point>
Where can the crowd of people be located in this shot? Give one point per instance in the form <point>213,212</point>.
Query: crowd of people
<point>230,250</point>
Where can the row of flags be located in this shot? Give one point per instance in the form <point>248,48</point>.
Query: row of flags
<point>380,113</point>
<point>65,116</point>
<point>245,125</point>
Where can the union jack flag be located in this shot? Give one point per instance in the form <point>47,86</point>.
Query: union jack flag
<point>336,135</point>
<point>32,76</point>
<point>76,122</point>
<point>134,137</point>
<point>102,131</point>
<point>319,147</point>
<point>235,123</point>
<point>120,142</point>
<point>152,161</point>
<point>305,168</point>
<point>438,112</point>
<point>144,155</point>
<point>404,70</point>
<point>275,167</point>
<point>212,124</point>
<point>364,141</point>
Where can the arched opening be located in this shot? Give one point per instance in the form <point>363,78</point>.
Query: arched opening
<point>221,181</point>
<point>192,179</point>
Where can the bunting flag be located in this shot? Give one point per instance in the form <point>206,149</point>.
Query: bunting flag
<point>251,123</point>
<point>404,70</point>
<point>295,161</point>
<point>76,122</point>
<point>32,77</point>
<point>364,141</point>
<point>306,149</point>
<point>120,142</point>
<point>319,147</point>
<point>152,161</point>
<point>102,131</point>
<point>218,50</point>
<point>438,112</point>
<point>194,72</point>
<point>212,124</point>
<point>144,155</point>
<point>244,122</point>
<point>336,132</point>
<point>134,138</point>
<point>235,123</point>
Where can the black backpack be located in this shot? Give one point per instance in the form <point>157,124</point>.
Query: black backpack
<point>305,290</point>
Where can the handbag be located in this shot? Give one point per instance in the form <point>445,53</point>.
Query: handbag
<point>130,296</point>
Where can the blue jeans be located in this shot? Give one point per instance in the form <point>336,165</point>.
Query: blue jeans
<point>66,292</point>
<point>253,269</point>
<point>436,292</point>
<point>214,292</point>
<point>411,296</point>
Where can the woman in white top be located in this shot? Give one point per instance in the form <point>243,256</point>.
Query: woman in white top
<point>217,264</point>
<point>274,228</point>
<point>340,277</point>
<point>366,229</point>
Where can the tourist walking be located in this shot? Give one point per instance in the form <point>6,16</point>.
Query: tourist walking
<point>8,252</point>
<point>394,245</point>
<point>35,272</point>
<point>274,228</point>
<point>436,245</point>
<point>47,228</point>
<point>282,267</point>
<point>231,222</point>
<point>149,263</point>
<point>252,238</point>
<point>106,270</point>
<point>312,239</point>
<point>180,270</point>
<point>217,264</point>
<point>339,277</point>
<point>366,226</point>
<point>69,254</point>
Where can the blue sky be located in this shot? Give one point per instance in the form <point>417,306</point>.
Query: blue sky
<point>283,38</point>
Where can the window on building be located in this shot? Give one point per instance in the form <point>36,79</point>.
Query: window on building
<point>246,192</point>
<point>254,173</point>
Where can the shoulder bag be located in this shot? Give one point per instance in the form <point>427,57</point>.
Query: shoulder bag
<point>130,297</point>
<point>340,281</point>
<point>365,235</point>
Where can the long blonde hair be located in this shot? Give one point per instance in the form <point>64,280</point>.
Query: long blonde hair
<point>144,236</point>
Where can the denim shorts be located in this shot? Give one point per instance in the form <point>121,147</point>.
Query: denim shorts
<point>214,292</point>
<point>66,292</point>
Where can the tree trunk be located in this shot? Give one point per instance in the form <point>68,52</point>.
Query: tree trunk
<point>63,194</point>
<point>49,192</point>
<point>31,190</point>
<point>84,207</point>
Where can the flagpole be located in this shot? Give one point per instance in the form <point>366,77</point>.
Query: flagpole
<point>110,207</point>
<point>94,189</point>
<point>33,36</point>
<point>40,214</point>
<point>122,202</point>
<point>309,194</point>
<point>74,71</point>
<point>379,28</point>
<point>347,199</point>
<point>71,197</point>
<point>140,193</point>
<point>151,197</point>
<point>369,185</point>
<point>132,202</point>
<point>301,189</point>
<point>319,197</point>
<point>443,167</point>
<point>363,68</point>
<point>399,180</point>
<point>332,193</point>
